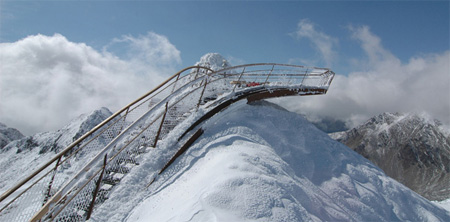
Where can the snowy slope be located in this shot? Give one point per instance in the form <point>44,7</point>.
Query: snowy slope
<point>263,163</point>
<point>20,157</point>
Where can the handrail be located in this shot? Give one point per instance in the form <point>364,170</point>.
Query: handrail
<point>183,90</point>
<point>63,152</point>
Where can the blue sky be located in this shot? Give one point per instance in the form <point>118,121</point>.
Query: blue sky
<point>62,58</point>
<point>261,31</point>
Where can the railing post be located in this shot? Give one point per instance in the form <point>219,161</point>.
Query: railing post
<point>196,74</point>
<point>48,195</point>
<point>203,91</point>
<point>270,73</point>
<point>239,79</point>
<point>161,125</point>
<point>97,188</point>
<point>175,83</point>
<point>304,77</point>
<point>124,119</point>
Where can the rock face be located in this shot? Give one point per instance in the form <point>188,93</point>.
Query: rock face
<point>409,148</point>
<point>8,134</point>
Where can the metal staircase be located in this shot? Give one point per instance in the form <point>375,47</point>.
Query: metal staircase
<point>70,185</point>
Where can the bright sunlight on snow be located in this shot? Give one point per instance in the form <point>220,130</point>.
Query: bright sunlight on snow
<point>262,163</point>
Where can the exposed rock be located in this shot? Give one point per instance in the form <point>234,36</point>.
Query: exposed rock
<point>409,148</point>
<point>8,134</point>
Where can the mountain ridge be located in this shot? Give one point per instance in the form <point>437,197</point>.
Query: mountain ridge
<point>22,156</point>
<point>410,148</point>
<point>8,134</point>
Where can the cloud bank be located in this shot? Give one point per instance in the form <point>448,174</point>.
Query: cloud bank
<point>383,84</point>
<point>47,80</point>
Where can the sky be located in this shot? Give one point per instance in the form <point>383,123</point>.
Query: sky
<point>59,59</point>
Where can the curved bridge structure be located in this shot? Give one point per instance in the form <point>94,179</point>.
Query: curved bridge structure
<point>74,182</point>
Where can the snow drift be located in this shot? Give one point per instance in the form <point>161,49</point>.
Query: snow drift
<point>262,163</point>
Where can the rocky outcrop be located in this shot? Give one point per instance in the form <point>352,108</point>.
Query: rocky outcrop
<point>8,134</point>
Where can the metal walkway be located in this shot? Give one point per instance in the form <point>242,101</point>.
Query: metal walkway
<point>69,186</point>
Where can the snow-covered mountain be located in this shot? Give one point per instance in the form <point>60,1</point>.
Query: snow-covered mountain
<point>409,148</point>
<point>262,163</point>
<point>22,156</point>
<point>8,134</point>
<point>56,140</point>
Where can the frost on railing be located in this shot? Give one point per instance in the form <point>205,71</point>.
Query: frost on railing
<point>69,186</point>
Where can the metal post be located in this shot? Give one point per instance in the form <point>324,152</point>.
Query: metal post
<point>203,91</point>
<point>239,79</point>
<point>304,77</point>
<point>97,188</point>
<point>196,74</point>
<point>273,66</point>
<point>49,189</point>
<point>175,83</point>
<point>160,125</point>
<point>124,118</point>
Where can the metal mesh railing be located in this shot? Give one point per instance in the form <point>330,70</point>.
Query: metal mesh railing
<point>64,188</point>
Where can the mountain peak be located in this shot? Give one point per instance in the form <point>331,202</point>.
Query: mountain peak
<point>214,61</point>
<point>59,139</point>
<point>411,148</point>
<point>23,155</point>
<point>8,134</point>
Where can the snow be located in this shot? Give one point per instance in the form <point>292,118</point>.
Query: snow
<point>214,61</point>
<point>8,134</point>
<point>21,157</point>
<point>444,204</point>
<point>261,163</point>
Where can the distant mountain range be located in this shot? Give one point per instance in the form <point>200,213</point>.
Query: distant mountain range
<point>409,148</point>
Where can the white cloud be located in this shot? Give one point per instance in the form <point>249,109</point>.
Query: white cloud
<point>152,49</point>
<point>47,80</point>
<point>323,43</point>
<point>371,44</point>
<point>386,85</point>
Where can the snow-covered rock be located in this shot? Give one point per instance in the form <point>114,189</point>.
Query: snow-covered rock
<point>444,204</point>
<point>410,148</point>
<point>214,61</point>
<point>8,134</point>
<point>20,157</point>
<point>262,163</point>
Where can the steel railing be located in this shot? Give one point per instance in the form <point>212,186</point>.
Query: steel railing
<point>68,187</point>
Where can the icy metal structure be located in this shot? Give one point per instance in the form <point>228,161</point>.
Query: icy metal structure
<point>69,186</point>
